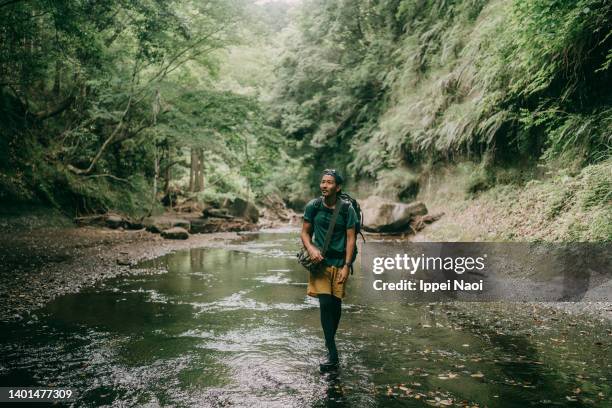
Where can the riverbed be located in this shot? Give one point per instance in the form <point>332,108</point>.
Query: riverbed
<point>232,326</point>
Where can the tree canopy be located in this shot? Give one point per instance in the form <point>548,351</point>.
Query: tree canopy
<point>98,97</point>
<point>108,104</point>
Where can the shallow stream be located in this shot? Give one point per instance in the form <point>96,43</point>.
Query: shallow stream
<point>233,327</point>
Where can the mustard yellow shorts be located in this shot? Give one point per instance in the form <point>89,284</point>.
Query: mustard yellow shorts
<point>326,282</point>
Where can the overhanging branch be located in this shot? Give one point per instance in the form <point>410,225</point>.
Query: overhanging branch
<point>65,104</point>
<point>106,143</point>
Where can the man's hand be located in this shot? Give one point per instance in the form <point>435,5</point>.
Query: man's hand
<point>315,254</point>
<point>313,251</point>
<point>344,274</point>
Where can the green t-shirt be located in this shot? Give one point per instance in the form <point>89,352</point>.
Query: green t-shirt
<point>346,220</point>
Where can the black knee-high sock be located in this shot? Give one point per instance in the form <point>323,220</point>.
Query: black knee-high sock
<point>337,313</point>
<point>327,305</point>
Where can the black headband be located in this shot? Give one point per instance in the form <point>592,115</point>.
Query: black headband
<point>334,174</point>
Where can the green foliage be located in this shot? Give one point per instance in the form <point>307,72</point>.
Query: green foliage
<point>290,180</point>
<point>397,184</point>
<point>230,128</point>
<point>596,186</point>
<point>588,136</point>
<point>480,180</point>
<point>402,83</point>
<point>94,96</point>
<point>559,206</point>
<point>588,195</point>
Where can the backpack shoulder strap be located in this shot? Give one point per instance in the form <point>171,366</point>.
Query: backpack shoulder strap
<point>317,204</point>
<point>345,207</point>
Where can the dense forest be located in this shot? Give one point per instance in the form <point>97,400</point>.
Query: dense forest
<point>391,88</point>
<point>157,159</point>
<point>111,105</point>
<point>105,105</point>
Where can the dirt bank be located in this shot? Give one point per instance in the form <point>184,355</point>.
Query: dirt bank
<point>517,213</point>
<point>41,264</point>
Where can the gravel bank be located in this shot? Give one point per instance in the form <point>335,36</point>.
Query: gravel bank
<point>39,265</point>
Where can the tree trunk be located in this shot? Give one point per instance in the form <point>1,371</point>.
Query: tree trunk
<point>167,171</point>
<point>192,167</point>
<point>200,182</point>
<point>246,161</point>
<point>57,83</point>
<point>156,165</point>
<point>197,187</point>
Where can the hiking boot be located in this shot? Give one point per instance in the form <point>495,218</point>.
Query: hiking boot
<point>329,365</point>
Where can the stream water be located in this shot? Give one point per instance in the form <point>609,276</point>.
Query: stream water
<point>233,326</point>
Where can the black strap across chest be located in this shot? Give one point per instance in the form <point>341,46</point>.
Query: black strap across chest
<point>332,224</point>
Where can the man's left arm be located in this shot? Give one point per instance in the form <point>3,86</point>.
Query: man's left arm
<point>350,248</point>
<point>351,237</point>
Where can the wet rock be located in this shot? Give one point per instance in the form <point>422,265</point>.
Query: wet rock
<point>124,262</point>
<point>175,233</point>
<point>111,220</point>
<point>210,225</point>
<point>419,222</point>
<point>381,215</point>
<point>217,213</point>
<point>198,226</point>
<point>275,212</point>
<point>242,208</point>
<point>158,224</point>
<point>133,224</point>
<point>274,206</point>
<point>114,221</point>
<point>91,220</point>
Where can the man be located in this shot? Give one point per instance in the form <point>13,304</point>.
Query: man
<point>329,283</point>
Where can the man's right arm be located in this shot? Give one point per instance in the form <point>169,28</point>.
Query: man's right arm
<point>306,235</point>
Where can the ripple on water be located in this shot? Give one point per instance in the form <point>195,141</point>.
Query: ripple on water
<point>278,279</point>
<point>238,301</point>
<point>270,366</point>
<point>153,295</point>
<point>203,275</point>
<point>265,249</point>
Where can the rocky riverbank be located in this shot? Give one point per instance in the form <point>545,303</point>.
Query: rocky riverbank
<point>43,255</point>
<point>39,265</point>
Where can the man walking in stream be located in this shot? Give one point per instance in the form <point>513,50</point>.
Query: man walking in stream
<point>328,283</point>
